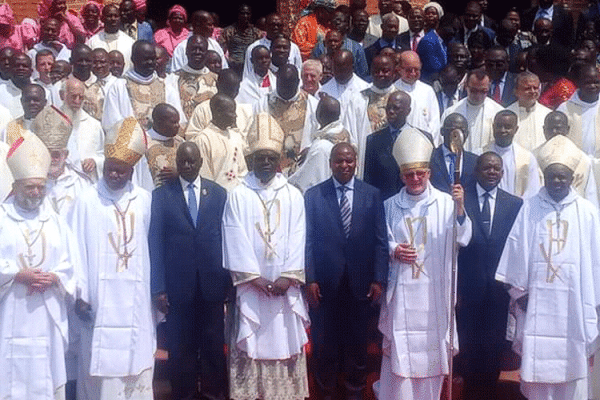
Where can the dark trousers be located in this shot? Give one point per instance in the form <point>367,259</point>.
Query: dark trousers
<point>481,331</point>
<point>339,333</point>
<point>195,340</point>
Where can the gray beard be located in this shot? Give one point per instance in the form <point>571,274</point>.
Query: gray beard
<point>74,115</point>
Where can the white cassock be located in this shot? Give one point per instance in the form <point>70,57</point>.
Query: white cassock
<point>202,116</point>
<point>530,134</point>
<point>113,41</point>
<point>6,178</point>
<point>551,255</point>
<point>424,108</point>
<point>33,326</point>
<point>252,90</point>
<point>414,316</point>
<point>118,106</point>
<point>117,353</point>
<point>264,235</point>
<point>522,176</point>
<point>480,119</point>
<point>295,58</point>
<point>584,123</point>
<point>10,99</point>
<point>86,141</point>
<point>180,59</point>
<point>374,27</point>
<point>315,168</point>
<point>222,152</point>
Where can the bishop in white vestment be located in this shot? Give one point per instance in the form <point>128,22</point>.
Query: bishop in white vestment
<point>111,221</point>
<point>38,257</point>
<point>263,248</point>
<point>415,316</point>
<point>550,262</point>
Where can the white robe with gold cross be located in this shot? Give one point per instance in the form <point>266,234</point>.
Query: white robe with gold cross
<point>414,316</point>
<point>112,228</point>
<point>33,326</point>
<point>552,256</point>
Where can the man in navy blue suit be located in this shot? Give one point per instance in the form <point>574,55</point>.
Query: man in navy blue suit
<point>482,301</point>
<point>443,160</point>
<point>502,89</point>
<point>188,282</point>
<point>346,270</point>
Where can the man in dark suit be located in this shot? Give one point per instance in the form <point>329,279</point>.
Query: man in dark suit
<point>381,169</point>
<point>346,270</point>
<point>189,283</point>
<point>502,89</point>
<point>410,39</point>
<point>471,19</point>
<point>482,301</point>
<point>389,38</point>
<point>443,160</point>
<point>562,21</point>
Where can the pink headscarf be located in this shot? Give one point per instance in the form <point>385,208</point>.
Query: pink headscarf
<point>7,17</point>
<point>43,8</point>
<point>98,5</point>
<point>177,9</point>
<point>139,4</point>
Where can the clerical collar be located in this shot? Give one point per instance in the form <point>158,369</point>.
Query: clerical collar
<point>18,214</point>
<point>577,100</point>
<point>419,197</point>
<point>386,90</point>
<point>113,195</point>
<point>469,104</point>
<point>571,197</point>
<point>527,109</point>
<point>502,150</point>
<point>253,183</point>
<point>293,99</point>
<point>139,78</point>
<point>157,136</point>
<point>405,85</point>
<point>193,71</point>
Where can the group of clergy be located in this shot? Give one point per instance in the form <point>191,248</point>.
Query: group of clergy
<point>238,208</point>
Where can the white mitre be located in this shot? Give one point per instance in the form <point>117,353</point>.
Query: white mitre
<point>558,150</point>
<point>412,149</point>
<point>126,141</point>
<point>28,158</point>
<point>265,134</point>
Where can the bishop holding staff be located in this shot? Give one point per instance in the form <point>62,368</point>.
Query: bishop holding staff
<point>415,315</point>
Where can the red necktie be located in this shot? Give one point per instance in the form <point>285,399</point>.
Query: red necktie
<point>266,81</point>
<point>496,95</point>
<point>414,43</point>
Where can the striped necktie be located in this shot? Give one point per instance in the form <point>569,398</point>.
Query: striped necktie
<point>345,211</point>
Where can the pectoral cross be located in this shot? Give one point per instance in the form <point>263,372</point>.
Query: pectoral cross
<point>126,254</point>
<point>267,232</point>
<point>560,240</point>
<point>417,267</point>
<point>30,256</point>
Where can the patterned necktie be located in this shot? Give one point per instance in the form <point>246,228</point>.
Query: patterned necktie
<point>192,203</point>
<point>486,217</point>
<point>496,95</point>
<point>345,211</point>
<point>451,167</point>
<point>414,43</point>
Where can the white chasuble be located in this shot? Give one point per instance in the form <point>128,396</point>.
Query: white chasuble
<point>415,315</point>
<point>264,235</point>
<point>112,228</point>
<point>33,326</point>
<point>552,255</point>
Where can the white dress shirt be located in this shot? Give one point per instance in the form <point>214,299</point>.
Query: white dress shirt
<point>492,200</point>
<point>349,192</point>
<point>197,184</point>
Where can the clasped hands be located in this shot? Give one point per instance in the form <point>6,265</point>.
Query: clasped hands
<point>277,288</point>
<point>37,281</point>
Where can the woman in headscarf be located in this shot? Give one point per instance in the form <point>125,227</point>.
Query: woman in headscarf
<point>19,37</point>
<point>175,32</point>
<point>90,18</point>
<point>432,12</point>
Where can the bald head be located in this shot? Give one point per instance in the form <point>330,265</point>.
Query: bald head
<point>288,81</point>
<point>72,92</point>
<point>222,108</point>
<point>189,161</point>
<point>343,62</point>
<point>228,83</point>
<point>328,110</point>
<point>556,123</point>
<point>397,108</point>
<point>165,120</point>
<point>410,67</point>
<point>383,71</point>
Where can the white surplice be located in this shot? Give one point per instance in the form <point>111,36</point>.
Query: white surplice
<point>222,152</point>
<point>202,116</point>
<point>530,134</point>
<point>10,98</point>
<point>118,346</point>
<point>584,123</point>
<point>33,326</point>
<point>522,176</point>
<point>113,41</point>
<point>415,314</point>
<point>180,59</point>
<point>86,141</point>
<point>551,255</point>
<point>251,90</point>
<point>6,178</point>
<point>295,58</point>
<point>117,104</point>
<point>61,193</point>
<point>480,119</point>
<point>424,108</point>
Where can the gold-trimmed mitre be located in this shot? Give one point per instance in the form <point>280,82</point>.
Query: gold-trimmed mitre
<point>28,157</point>
<point>265,134</point>
<point>558,150</point>
<point>412,149</point>
<point>53,127</point>
<point>126,141</point>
